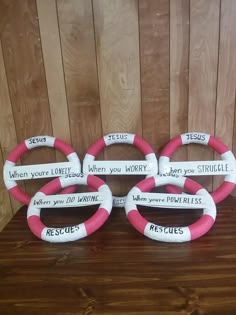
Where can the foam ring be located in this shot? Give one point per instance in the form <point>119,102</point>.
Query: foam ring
<point>27,145</point>
<point>170,234</point>
<point>223,150</point>
<point>118,138</point>
<point>76,232</point>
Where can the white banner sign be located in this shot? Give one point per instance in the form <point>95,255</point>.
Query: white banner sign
<point>39,171</point>
<point>120,168</point>
<point>68,200</point>
<point>196,168</point>
<point>161,200</point>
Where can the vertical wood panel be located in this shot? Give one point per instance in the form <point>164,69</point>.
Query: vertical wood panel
<point>179,53</point>
<point>5,11</point>
<point>79,57</point>
<point>8,133</point>
<point>226,77</point>
<point>116,27</point>
<point>26,78</point>
<point>48,22</point>
<point>117,42</point>
<point>5,204</point>
<point>154,58</point>
<point>204,35</point>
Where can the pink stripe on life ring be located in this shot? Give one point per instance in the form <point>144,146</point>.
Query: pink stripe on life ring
<point>142,145</point>
<point>146,184</point>
<point>68,190</point>
<point>218,145</point>
<point>96,147</point>
<point>20,195</point>
<point>201,227</point>
<point>138,221</point>
<point>221,192</point>
<point>36,226</point>
<point>51,187</point>
<point>96,221</point>
<point>192,186</point>
<point>94,182</point>
<point>172,146</point>
<point>63,147</point>
<point>173,189</point>
<point>17,152</point>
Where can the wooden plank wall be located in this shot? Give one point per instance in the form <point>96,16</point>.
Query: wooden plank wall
<point>78,69</point>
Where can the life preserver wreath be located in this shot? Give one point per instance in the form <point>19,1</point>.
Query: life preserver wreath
<point>148,167</point>
<point>173,175</point>
<point>11,173</point>
<point>76,232</point>
<point>226,166</point>
<point>170,234</point>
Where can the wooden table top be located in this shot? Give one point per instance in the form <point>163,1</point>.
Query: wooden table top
<point>117,270</point>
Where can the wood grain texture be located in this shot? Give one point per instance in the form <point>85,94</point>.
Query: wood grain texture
<point>117,270</point>
<point>26,79</point>
<point>8,133</point>
<point>8,139</point>
<point>117,45</point>
<point>116,28</point>
<point>79,57</point>
<point>203,62</point>
<point>226,89</point>
<point>5,11</point>
<point>179,66</point>
<point>154,58</point>
<point>5,202</point>
<point>50,41</point>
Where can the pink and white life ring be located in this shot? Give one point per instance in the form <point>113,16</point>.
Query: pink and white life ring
<point>205,139</point>
<point>29,144</point>
<point>75,232</point>
<point>117,138</point>
<point>170,234</point>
